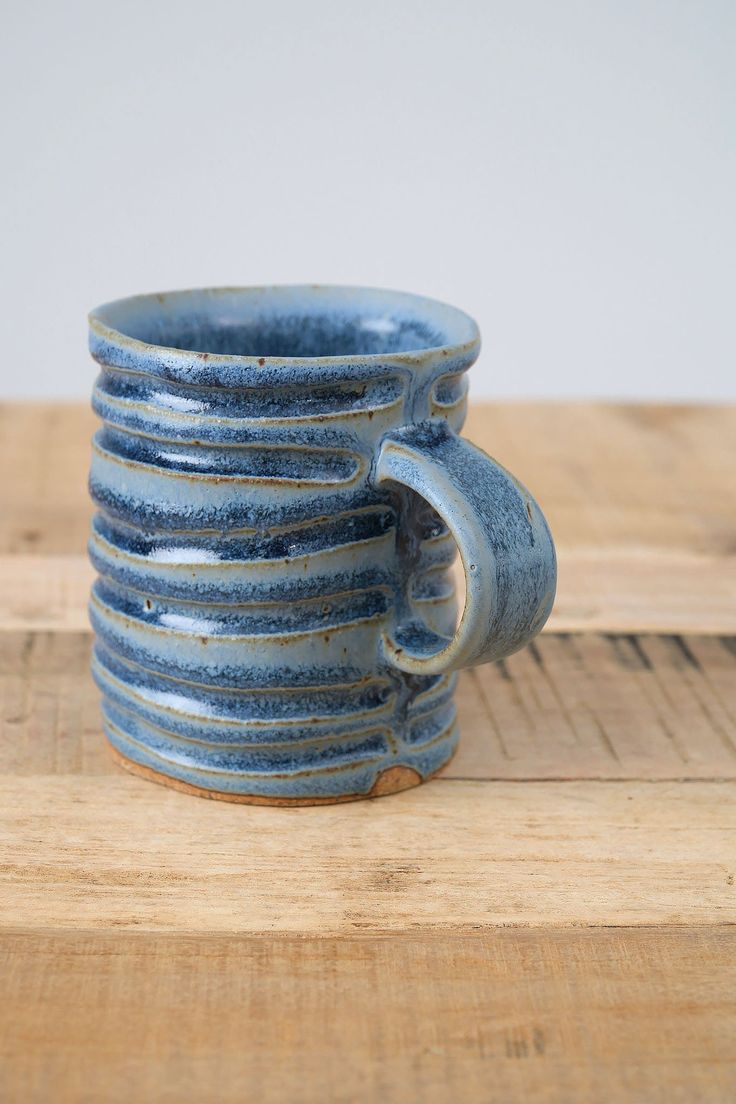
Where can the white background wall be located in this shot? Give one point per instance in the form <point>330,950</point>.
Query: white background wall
<point>564,171</point>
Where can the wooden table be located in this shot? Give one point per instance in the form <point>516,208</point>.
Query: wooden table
<point>551,920</point>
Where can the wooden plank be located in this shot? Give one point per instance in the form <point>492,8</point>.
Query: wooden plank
<point>45,593</point>
<point>463,940</point>
<point>44,504</point>
<point>49,706</point>
<point>119,852</point>
<point>609,476</point>
<point>644,591</point>
<point>571,706</point>
<point>602,706</point>
<point>622,476</point>
<point>646,534</point>
<point>597,592</point>
<point>543,1016</point>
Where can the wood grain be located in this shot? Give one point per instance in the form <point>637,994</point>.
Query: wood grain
<point>597,706</point>
<point>646,536</point>
<point>119,852</point>
<point>599,591</point>
<point>608,476</point>
<point>614,705</point>
<point>539,1016</point>
<point>44,507</point>
<point>552,921</point>
<point>622,476</point>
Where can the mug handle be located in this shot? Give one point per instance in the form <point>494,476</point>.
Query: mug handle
<point>504,543</point>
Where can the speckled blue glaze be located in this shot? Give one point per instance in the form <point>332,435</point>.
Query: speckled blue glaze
<point>280,490</point>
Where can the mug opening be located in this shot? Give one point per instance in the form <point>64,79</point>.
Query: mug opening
<point>302,334</point>
<point>286,323</point>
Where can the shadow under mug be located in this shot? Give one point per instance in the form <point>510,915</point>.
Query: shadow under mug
<point>280,491</point>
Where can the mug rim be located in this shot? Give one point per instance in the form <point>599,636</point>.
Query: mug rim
<point>460,329</point>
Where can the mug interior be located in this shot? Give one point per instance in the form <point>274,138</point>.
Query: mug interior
<point>288,322</point>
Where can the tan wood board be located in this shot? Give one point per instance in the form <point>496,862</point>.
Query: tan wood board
<point>552,920</point>
<point>616,591</point>
<point>641,500</point>
<point>608,475</point>
<point>121,852</point>
<point>539,1016</point>
<point>571,706</point>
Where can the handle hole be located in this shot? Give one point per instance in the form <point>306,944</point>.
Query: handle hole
<point>435,590</point>
<point>434,598</point>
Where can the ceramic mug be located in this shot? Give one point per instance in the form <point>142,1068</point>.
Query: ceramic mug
<point>280,491</point>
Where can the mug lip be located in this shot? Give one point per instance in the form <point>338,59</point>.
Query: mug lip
<point>460,328</point>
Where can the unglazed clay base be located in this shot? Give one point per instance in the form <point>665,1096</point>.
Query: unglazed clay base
<point>390,781</point>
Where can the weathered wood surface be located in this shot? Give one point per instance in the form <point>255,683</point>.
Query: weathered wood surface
<point>572,706</point>
<point>618,476</point>
<point>641,499</point>
<point>596,1015</point>
<point>551,921</point>
<point>615,591</point>
<point>115,853</point>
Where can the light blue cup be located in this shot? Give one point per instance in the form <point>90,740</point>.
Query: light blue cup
<point>281,489</point>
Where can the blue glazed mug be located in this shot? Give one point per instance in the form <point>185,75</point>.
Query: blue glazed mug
<point>280,491</point>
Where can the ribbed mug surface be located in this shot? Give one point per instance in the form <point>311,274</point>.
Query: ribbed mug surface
<point>252,564</point>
